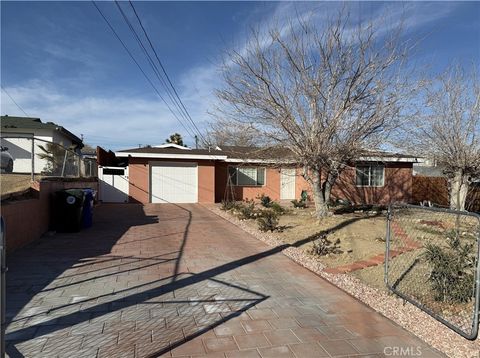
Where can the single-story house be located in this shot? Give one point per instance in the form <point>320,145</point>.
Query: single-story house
<point>17,134</point>
<point>175,174</point>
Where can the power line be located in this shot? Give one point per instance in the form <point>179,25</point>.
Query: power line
<point>8,94</point>
<point>165,72</point>
<point>139,67</point>
<point>153,65</point>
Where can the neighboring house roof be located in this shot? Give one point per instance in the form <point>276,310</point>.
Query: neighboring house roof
<point>238,154</point>
<point>11,122</point>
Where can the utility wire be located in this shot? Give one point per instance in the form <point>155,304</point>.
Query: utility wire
<point>153,65</point>
<point>8,94</point>
<point>140,67</point>
<point>165,72</point>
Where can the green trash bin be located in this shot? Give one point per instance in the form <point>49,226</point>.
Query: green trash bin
<point>68,210</point>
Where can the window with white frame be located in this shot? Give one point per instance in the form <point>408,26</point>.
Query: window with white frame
<point>247,176</point>
<point>370,175</point>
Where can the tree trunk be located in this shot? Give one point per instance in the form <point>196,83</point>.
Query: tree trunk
<point>321,201</point>
<point>458,191</point>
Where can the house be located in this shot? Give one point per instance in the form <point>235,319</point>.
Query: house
<point>17,134</point>
<point>174,174</point>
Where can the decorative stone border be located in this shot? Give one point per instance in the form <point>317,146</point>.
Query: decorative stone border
<point>376,260</point>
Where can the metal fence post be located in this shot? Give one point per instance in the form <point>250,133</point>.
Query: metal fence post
<point>387,244</point>
<point>64,162</point>
<point>33,159</point>
<point>3,270</point>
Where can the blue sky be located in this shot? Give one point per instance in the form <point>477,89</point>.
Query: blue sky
<point>60,62</point>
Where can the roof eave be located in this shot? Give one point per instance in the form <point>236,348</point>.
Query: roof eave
<point>389,159</point>
<point>264,161</point>
<point>170,156</point>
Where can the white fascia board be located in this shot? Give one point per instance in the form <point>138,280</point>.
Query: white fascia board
<point>390,159</point>
<point>260,161</point>
<point>170,156</point>
<point>361,159</point>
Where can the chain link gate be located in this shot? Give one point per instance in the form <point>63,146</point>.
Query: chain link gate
<point>432,261</point>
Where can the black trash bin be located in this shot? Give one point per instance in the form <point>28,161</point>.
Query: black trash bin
<point>68,210</point>
<point>87,216</point>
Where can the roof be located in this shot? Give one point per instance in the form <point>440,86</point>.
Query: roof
<point>36,123</point>
<point>172,145</point>
<point>237,154</point>
<point>171,152</point>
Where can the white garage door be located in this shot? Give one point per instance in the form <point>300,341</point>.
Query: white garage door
<point>173,183</point>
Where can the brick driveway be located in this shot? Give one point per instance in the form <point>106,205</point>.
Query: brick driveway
<point>168,280</point>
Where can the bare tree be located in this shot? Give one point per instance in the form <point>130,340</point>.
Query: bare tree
<point>224,132</point>
<point>328,94</point>
<point>448,129</point>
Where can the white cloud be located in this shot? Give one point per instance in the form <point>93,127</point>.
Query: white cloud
<point>114,122</point>
<point>126,120</point>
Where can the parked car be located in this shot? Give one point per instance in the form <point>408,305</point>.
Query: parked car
<point>7,160</point>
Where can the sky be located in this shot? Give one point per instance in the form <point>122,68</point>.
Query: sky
<point>60,61</point>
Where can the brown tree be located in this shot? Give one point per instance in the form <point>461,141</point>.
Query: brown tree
<point>328,94</point>
<point>447,128</point>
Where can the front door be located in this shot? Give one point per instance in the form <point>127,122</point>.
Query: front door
<point>287,184</point>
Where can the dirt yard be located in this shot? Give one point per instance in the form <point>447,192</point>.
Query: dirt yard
<point>360,235</point>
<point>13,183</point>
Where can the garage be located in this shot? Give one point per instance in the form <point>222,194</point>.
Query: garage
<point>174,182</point>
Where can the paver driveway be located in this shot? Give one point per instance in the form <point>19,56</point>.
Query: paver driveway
<point>179,281</point>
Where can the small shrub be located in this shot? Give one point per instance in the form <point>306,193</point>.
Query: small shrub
<point>276,207</point>
<point>265,200</point>
<point>452,276</point>
<point>302,204</point>
<point>268,221</point>
<point>228,205</point>
<point>323,246</point>
<point>247,210</point>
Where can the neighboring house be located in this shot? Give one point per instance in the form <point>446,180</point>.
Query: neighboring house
<point>17,134</point>
<point>174,174</point>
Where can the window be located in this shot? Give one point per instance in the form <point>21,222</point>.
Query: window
<point>247,176</point>
<point>370,175</point>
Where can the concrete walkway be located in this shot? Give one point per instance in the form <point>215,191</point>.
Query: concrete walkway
<point>168,280</point>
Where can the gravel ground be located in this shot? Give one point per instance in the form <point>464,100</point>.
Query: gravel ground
<point>403,313</point>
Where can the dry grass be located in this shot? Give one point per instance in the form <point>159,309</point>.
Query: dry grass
<point>13,183</point>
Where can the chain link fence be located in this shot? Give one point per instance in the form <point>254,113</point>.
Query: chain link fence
<point>24,159</point>
<point>432,261</point>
